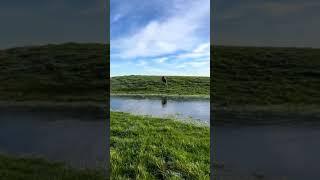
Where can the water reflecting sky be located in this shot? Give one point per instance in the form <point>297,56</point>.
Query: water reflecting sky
<point>198,109</point>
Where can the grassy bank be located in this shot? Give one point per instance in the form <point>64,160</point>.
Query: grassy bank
<point>147,148</point>
<point>152,85</point>
<point>265,76</point>
<point>64,72</point>
<point>265,85</point>
<point>38,169</point>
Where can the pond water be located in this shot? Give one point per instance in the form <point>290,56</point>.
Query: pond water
<point>77,136</point>
<point>183,109</point>
<point>275,151</point>
<point>74,136</point>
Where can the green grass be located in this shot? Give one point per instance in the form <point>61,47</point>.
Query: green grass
<point>14,168</point>
<point>241,75</point>
<point>152,85</point>
<point>265,85</point>
<point>144,147</point>
<point>64,72</point>
<point>265,76</point>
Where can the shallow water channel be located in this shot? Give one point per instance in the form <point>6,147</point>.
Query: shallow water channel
<point>275,152</point>
<point>180,108</point>
<point>75,136</point>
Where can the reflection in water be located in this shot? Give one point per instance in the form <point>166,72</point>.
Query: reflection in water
<point>164,102</point>
<point>197,109</point>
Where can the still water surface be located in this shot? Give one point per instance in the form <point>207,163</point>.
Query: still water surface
<point>197,109</point>
<point>290,152</point>
<point>74,136</point>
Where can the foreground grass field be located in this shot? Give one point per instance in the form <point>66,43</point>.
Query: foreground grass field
<point>13,168</point>
<point>153,148</point>
<point>152,85</point>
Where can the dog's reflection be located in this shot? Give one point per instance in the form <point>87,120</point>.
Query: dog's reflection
<point>164,102</point>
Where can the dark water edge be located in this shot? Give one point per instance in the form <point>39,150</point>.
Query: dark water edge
<point>268,151</point>
<point>74,135</point>
<point>265,144</point>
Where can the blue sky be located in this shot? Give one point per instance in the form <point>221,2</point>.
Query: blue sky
<point>156,37</point>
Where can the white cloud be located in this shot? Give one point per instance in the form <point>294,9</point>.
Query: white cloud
<point>142,63</point>
<point>172,44</point>
<point>202,48</point>
<point>177,32</point>
<point>161,60</point>
<point>194,64</point>
<point>201,51</point>
<point>116,18</point>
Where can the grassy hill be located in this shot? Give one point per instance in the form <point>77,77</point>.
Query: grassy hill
<point>265,76</point>
<point>252,85</point>
<point>241,75</point>
<point>152,85</point>
<point>65,72</point>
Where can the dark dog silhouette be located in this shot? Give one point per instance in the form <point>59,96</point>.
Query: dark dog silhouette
<point>164,80</point>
